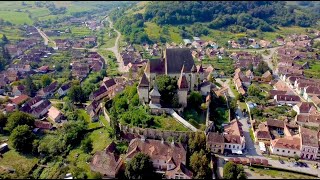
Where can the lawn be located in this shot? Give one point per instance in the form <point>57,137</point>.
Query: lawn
<point>168,123</point>
<point>194,118</point>
<point>280,174</point>
<point>233,88</point>
<point>225,65</point>
<point>314,70</point>
<point>112,64</point>
<point>100,139</point>
<point>109,41</point>
<point>15,17</point>
<point>91,125</point>
<point>153,31</point>
<point>20,163</point>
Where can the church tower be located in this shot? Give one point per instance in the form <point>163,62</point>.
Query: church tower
<point>193,81</point>
<point>143,89</point>
<point>183,89</point>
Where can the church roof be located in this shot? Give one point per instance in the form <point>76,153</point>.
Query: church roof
<point>175,58</point>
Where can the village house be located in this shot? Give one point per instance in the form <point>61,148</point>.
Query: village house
<point>107,162</point>
<point>80,70</point>
<point>287,146</point>
<point>54,114</point>
<point>19,100</point>
<point>266,77</point>
<point>262,134</point>
<point>215,142</point>
<point>36,106</point>
<point>167,158</point>
<point>48,91</point>
<point>309,143</point>
<point>287,99</point>
<point>63,44</point>
<point>18,90</point>
<point>42,125</point>
<point>94,110</point>
<point>304,108</point>
<point>234,139</point>
<point>63,90</point>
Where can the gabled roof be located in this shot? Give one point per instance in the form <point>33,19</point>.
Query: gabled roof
<point>181,168</point>
<point>275,123</point>
<point>20,99</point>
<point>110,82</point>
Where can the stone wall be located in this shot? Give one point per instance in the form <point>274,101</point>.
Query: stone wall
<point>155,133</point>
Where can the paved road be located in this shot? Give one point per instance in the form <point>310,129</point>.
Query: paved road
<point>45,37</point>
<point>226,84</point>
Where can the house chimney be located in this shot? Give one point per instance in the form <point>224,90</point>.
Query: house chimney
<point>143,139</point>
<point>172,143</point>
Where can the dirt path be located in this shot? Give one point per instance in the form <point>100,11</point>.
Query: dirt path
<point>115,48</point>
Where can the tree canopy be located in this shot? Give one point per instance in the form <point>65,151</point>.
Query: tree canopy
<point>140,167</point>
<point>22,138</point>
<point>167,87</point>
<point>19,118</point>
<point>199,162</point>
<point>76,94</point>
<point>45,80</point>
<point>233,171</point>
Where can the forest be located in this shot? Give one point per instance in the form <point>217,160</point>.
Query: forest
<point>233,16</point>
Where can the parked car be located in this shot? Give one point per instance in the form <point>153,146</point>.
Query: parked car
<point>304,164</point>
<point>281,161</point>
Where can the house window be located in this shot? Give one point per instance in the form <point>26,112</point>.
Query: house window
<point>277,150</point>
<point>229,146</point>
<point>288,151</point>
<point>225,145</point>
<point>282,150</point>
<point>234,146</point>
<point>294,152</point>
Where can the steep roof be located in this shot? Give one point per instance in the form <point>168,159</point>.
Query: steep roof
<point>155,92</point>
<point>144,82</point>
<point>182,82</point>
<point>233,132</point>
<point>20,99</point>
<point>287,142</point>
<point>181,168</point>
<point>158,150</point>
<point>175,58</point>
<point>106,162</point>
<point>309,137</point>
<point>275,123</point>
<point>215,137</point>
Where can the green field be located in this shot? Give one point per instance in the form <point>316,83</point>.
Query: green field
<point>15,17</point>
<point>314,70</point>
<point>168,123</point>
<point>280,174</point>
<point>20,163</point>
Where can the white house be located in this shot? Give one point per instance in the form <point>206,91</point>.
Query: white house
<point>288,146</point>
<point>234,139</point>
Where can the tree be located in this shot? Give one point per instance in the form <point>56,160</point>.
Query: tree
<point>3,121</point>
<point>45,80</point>
<point>196,142</point>
<point>253,90</point>
<point>261,68</point>
<point>140,167</point>
<point>30,86</point>
<point>194,100</point>
<point>296,158</point>
<point>22,138</point>
<point>167,87</point>
<point>19,118</point>
<point>86,145</point>
<point>233,171</point>
<point>76,94</point>
<point>200,165</point>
